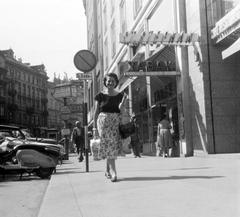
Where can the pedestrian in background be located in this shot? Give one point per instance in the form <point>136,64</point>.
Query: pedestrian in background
<point>109,104</point>
<point>164,136</point>
<point>135,140</point>
<point>77,138</point>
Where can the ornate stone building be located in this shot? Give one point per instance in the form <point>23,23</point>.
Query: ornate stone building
<point>23,94</point>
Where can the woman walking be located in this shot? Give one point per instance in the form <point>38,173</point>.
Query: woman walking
<point>164,136</point>
<point>109,104</point>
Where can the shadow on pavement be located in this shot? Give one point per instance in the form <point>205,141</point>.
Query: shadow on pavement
<point>193,168</point>
<point>168,178</point>
<point>76,170</point>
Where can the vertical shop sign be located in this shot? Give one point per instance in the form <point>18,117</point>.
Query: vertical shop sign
<point>181,116</point>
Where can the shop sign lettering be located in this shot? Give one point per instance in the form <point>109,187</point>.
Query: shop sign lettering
<point>148,66</point>
<point>167,38</point>
<point>227,24</point>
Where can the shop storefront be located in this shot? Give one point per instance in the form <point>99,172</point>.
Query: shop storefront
<point>155,80</point>
<point>152,97</point>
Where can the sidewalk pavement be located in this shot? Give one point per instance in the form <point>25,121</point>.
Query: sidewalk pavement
<point>147,186</point>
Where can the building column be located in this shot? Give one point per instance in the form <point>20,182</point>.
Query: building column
<point>149,93</point>
<point>183,93</point>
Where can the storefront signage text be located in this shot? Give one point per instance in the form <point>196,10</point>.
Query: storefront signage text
<point>64,91</point>
<point>180,39</point>
<point>227,24</point>
<point>148,66</point>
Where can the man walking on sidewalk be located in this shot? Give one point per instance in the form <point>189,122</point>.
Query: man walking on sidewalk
<point>77,138</point>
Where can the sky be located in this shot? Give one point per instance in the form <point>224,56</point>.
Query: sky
<point>48,32</point>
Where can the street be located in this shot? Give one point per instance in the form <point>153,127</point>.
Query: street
<point>21,197</point>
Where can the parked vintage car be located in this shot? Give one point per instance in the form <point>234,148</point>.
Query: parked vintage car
<point>27,155</point>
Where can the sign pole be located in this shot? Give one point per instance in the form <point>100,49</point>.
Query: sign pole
<point>86,124</point>
<point>65,136</point>
<point>85,61</point>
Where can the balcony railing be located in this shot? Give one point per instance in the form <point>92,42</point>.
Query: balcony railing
<point>2,100</point>
<point>12,92</point>
<point>44,100</point>
<point>30,110</point>
<point>12,106</point>
<point>45,113</point>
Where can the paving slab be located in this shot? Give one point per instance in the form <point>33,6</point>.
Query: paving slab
<point>147,186</point>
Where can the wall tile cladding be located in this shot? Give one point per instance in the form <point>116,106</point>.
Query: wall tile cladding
<point>225,125</point>
<point>225,89</point>
<point>227,144</point>
<point>225,107</point>
<point>225,86</point>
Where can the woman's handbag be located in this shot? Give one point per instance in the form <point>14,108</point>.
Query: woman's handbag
<point>127,130</point>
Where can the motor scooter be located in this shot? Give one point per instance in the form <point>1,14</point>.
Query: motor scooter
<point>28,157</point>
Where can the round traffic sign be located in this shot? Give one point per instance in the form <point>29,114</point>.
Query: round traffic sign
<point>65,113</point>
<point>85,60</point>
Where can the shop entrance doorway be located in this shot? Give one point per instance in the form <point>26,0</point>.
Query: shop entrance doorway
<point>169,108</point>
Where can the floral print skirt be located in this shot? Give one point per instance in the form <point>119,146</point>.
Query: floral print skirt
<point>111,144</point>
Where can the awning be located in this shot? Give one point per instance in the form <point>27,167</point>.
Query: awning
<point>125,82</point>
<point>235,47</point>
<point>163,53</point>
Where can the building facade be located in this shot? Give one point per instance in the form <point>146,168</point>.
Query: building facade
<point>178,57</point>
<point>26,97</point>
<point>24,89</point>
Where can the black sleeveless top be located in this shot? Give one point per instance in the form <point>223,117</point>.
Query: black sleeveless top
<point>108,103</point>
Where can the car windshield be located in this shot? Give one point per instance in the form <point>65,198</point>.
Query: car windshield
<point>11,132</point>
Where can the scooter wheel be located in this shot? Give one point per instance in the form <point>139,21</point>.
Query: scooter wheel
<point>44,173</point>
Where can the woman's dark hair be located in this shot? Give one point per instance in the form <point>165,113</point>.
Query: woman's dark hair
<point>113,75</point>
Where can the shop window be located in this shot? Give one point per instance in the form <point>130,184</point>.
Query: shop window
<point>105,18</point>
<point>113,37</point>
<point>123,22</point>
<point>143,104</point>
<point>137,4</point>
<point>24,118</point>
<point>112,7</point>
<point>145,130</point>
<point>19,101</point>
<point>106,53</point>
<point>19,118</point>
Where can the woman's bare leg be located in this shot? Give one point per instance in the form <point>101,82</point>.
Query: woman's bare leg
<point>112,166</point>
<point>107,167</point>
